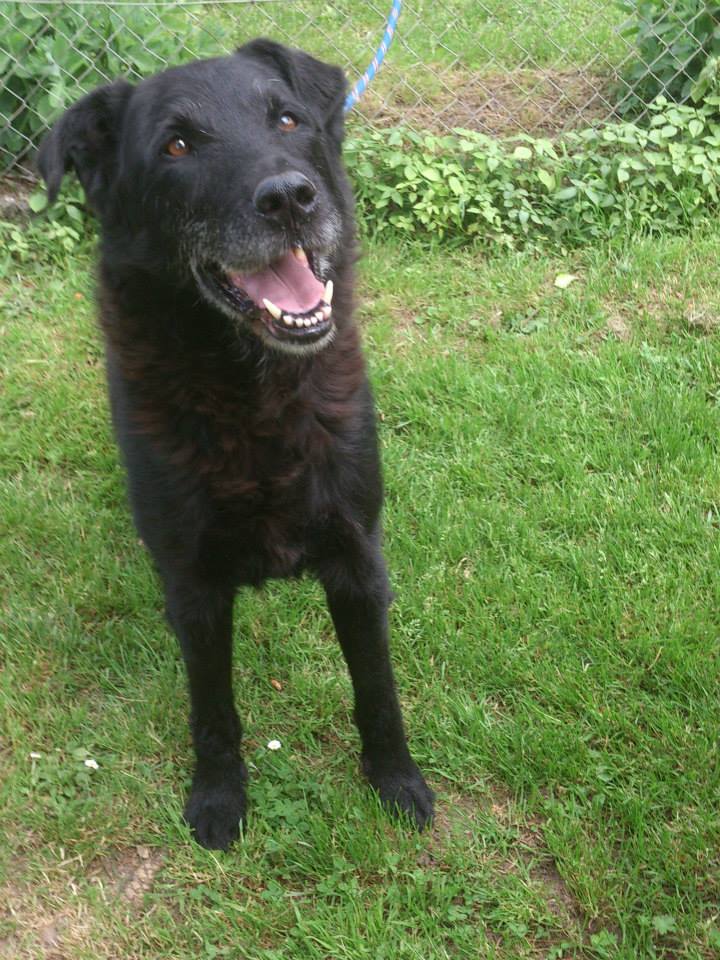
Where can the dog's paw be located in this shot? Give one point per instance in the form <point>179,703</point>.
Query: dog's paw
<point>403,792</point>
<point>216,806</point>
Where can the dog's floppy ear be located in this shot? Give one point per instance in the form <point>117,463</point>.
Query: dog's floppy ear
<point>85,139</point>
<point>321,85</point>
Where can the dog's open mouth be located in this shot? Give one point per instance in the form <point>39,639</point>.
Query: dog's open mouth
<point>289,299</point>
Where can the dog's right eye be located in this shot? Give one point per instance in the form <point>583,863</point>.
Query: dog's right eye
<point>287,122</point>
<point>177,147</point>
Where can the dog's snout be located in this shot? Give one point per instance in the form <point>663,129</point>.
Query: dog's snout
<point>285,197</point>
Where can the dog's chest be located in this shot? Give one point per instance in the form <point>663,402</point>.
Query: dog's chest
<point>258,458</point>
<point>271,497</point>
<point>251,466</point>
<point>269,483</point>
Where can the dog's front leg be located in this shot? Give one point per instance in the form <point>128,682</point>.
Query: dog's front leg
<point>359,609</point>
<point>202,620</point>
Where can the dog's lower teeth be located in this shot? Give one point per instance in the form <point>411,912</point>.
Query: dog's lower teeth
<point>306,320</point>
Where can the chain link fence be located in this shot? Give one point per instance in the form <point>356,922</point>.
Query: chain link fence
<point>502,67</point>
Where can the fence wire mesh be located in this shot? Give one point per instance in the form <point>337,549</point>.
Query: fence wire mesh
<point>502,67</point>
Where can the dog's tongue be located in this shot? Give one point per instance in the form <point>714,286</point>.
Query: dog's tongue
<point>289,283</point>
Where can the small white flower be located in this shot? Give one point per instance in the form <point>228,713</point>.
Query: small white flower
<point>93,764</point>
<point>274,745</point>
<point>35,756</point>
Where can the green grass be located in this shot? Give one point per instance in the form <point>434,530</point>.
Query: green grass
<point>493,32</point>
<point>552,528</point>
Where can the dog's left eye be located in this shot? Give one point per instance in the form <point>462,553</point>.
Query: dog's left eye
<point>177,147</point>
<point>287,122</point>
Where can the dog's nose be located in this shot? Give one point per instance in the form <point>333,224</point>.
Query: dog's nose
<point>285,197</point>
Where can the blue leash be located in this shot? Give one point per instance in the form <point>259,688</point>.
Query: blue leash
<point>360,87</point>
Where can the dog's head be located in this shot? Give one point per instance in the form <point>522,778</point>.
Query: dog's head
<point>222,176</point>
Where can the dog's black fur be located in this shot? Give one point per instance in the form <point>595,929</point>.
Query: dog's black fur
<point>250,453</point>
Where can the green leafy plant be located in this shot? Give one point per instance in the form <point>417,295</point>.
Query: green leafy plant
<point>60,779</point>
<point>61,231</point>
<point>590,185</point>
<point>46,62</point>
<point>677,44</point>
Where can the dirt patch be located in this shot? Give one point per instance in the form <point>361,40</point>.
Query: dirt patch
<point>661,309</point>
<point>532,851</point>
<point>461,816</point>
<point>38,933</point>
<point>615,328</point>
<point>670,305</point>
<point>701,318</point>
<point>14,196</point>
<point>455,811</point>
<point>53,920</point>
<point>543,869</point>
<point>459,813</point>
<point>128,875</point>
<point>536,102</point>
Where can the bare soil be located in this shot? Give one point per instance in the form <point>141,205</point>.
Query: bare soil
<point>55,922</point>
<point>14,195</point>
<point>536,102</point>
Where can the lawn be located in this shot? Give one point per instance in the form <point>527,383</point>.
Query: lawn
<point>490,33</point>
<point>553,532</point>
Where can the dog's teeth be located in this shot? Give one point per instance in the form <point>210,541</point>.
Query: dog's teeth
<point>300,255</point>
<point>307,321</point>
<point>328,294</point>
<point>326,311</point>
<point>298,321</point>
<point>272,309</point>
<point>318,315</point>
<point>287,319</point>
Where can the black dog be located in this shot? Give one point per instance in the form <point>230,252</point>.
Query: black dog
<point>237,384</point>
